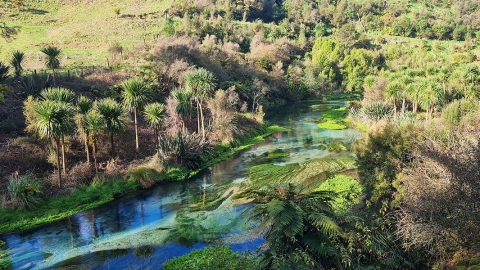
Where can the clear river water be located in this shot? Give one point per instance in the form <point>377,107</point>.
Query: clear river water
<point>144,229</point>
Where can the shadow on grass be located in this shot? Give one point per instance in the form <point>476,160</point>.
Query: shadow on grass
<point>37,11</point>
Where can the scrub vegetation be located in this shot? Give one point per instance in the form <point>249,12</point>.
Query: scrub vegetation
<point>163,89</point>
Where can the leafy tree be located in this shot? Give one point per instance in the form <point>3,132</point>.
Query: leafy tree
<point>201,83</point>
<point>134,98</point>
<point>16,62</point>
<point>52,60</point>
<point>93,124</point>
<point>113,118</point>
<point>394,94</point>
<point>299,226</point>
<point>153,114</point>
<point>183,97</point>
<point>357,65</point>
<point>54,119</point>
<point>326,54</point>
<point>65,97</point>
<point>84,105</point>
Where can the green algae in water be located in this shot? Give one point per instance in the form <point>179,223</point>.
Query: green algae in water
<point>337,146</point>
<point>5,262</point>
<point>322,107</point>
<point>277,155</point>
<point>299,173</point>
<point>334,119</point>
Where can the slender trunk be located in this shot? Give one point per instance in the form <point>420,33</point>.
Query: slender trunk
<point>87,151</point>
<point>57,144</point>
<point>415,106</point>
<point>112,150</point>
<point>63,155</point>
<point>198,119</point>
<point>156,138</point>
<point>203,126</point>
<point>53,76</point>
<point>136,129</point>
<point>403,105</point>
<point>394,110</point>
<point>94,149</point>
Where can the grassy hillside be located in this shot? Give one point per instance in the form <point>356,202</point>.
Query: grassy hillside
<point>83,29</point>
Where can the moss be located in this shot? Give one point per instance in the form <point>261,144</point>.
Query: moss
<point>347,188</point>
<point>337,146</point>
<point>221,257</point>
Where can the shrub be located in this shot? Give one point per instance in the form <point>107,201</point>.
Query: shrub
<point>24,190</point>
<point>376,111</point>
<point>183,149</point>
<point>143,175</point>
<point>210,258</point>
<point>453,112</point>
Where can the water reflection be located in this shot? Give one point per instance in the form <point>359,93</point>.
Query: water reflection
<point>150,227</point>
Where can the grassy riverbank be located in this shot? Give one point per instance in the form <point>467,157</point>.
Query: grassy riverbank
<point>99,193</point>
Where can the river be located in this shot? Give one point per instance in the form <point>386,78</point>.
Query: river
<point>144,229</point>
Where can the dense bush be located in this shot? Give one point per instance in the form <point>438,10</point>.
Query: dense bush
<point>182,150</point>
<point>211,259</point>
<point>24,190</point>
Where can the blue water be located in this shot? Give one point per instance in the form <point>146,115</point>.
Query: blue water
<point>141,231</point>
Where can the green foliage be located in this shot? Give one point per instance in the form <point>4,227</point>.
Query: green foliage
<point>143,175</point>
<point>84,198</point>
<point>52,55</point>
<point>16,62</point>
<point>211,258</point>
<point>348,192</point>
<point>381,154</point>
<point>4,70</point>
<point>357,65</point>
<point>135,94</point>
<point>182,150</point>
<point>32,84</point>
<point>376,111</point>
<point>300,226</point>
<point>153,114</point>
<point>5,262</point>
<point>58,94</point>
<point>25,191</point>
<point>453,112</point>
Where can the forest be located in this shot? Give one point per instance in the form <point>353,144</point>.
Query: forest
<point>99,99</point>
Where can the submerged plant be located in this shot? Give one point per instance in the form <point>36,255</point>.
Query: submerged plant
<point>24,190</point>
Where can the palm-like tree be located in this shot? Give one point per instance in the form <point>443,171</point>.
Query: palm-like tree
<point>58,94</point>
<point>84,105</point>
<point>66,97</point>
<point>54,120</point>
<point>134,98</point>
<point>296,221</point>
<point>201,83</point>
<point>431,95</point>
<point>153,114</point>
<point>394,94</point>
<point>113,117</point>
<point>16,62</point>
<point>184,102</point>
<point>93,124</point>
<point>4,69</point>
<point>52,60</point>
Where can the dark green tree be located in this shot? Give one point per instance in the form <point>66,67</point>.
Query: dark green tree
<point>52,60</point>
<point>135,95</point>
<point>113,118</point>
<point>16,62</point>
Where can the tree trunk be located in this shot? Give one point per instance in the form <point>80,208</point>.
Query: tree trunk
<point>94,149</point>
<point>156,138</point>
<point>403,105</point>
<point>57,144</point>
<point>198,118</point>
<point>203,126</point>
<point>53,76</point>
<point>63,155</point>
<point>112,149</point>
<point>137,148</point>
<point>85,136</point>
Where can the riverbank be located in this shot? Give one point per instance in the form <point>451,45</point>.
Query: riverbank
<point>99,193</point>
